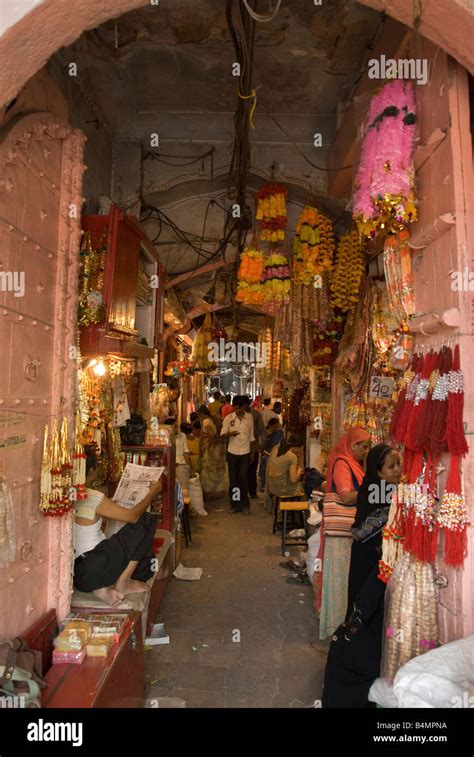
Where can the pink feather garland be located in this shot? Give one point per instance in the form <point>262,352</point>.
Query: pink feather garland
<point>385,176</point>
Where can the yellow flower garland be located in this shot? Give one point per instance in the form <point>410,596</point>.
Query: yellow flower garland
<point>349,270</point>
<point>313,246</point>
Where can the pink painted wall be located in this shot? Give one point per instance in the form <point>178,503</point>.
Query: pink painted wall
<point>40,177</point>
<point>445,185</point>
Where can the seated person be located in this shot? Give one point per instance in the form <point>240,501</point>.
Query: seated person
<point>283,471</point>
<point>274,436</point>
<point>111,568</point>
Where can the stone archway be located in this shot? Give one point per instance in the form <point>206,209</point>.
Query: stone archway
<point>28,44</point>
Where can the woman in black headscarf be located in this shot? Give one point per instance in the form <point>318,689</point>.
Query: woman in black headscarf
<point>356,649</point>
<point>382,475</point>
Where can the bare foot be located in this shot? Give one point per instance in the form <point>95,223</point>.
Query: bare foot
<point>130,586</point>
<point>111,597</point>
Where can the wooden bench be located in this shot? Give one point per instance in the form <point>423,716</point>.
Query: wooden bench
<point>117,680</point>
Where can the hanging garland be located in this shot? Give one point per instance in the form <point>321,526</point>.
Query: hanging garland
<point>56,473</point>
<point>250,275</point>
<point>200,353</point>
<point>91,282</point>
<point>349,271</point>
<point>276,282</point>
<point>313,246</point>
<point>271,212</point>
<point>383,197</point>
<point>397,261</point>
<point>79,461</point>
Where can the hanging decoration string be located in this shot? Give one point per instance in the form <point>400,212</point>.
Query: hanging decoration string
<point>254,105</point>
<point>259,17</point>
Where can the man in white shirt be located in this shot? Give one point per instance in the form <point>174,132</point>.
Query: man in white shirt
<point>237,427</point>
<point>183,458</point>
<point>266,413</point>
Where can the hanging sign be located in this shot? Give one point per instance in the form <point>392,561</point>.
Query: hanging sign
<point>381,387</point>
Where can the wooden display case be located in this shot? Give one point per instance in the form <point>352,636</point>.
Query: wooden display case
<point>127,249</point>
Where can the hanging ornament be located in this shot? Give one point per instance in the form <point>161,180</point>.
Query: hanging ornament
<point>56,485</point>
<point>271,212</point>
<point>250,275</point>
<point>313,246</point>
<point>79,461</point>
<point>392,537</point>
<point>397,260</point>
<point>383,197</point>
<point>453,518</point>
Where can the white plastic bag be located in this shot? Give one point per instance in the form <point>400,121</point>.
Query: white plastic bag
<point>313,548</point>
<point>443,677</point>
<point>196,496</point>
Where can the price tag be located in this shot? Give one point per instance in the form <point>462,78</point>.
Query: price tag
<point>381,387</point>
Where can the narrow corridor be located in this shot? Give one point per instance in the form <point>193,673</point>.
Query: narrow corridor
<point>279,661</point>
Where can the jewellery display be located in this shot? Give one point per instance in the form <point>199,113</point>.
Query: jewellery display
<point>91,282</point>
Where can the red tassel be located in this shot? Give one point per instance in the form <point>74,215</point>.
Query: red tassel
<point>455,546</point>
<point>423,429</point>
<point>453,518</point>
<point>437,442</point>
<point>408,406</point>
<point>416,467</point>
<point>415,421</point>
<point>455,437</point>
<point>416,540</point>
<point>393,433</point>
<point>408,529</point>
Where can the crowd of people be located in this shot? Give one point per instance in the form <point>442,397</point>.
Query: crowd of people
<point>229,443</point>
<point>239,446</point>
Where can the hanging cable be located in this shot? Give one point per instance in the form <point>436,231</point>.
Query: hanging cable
<point>259,17</point>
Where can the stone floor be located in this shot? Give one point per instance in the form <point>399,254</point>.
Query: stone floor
<point>240,636</point>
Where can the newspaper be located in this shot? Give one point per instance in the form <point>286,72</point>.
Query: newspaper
<point>133,486</point>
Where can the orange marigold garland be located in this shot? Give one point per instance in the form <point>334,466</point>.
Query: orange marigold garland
<point>271,212</point>
<point>349,270</point>
<point>250,287</point>
<point>313,246</point>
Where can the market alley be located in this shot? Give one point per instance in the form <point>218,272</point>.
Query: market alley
<point>279,661</point>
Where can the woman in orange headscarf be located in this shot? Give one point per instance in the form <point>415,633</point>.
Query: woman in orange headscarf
<point>344,477</point>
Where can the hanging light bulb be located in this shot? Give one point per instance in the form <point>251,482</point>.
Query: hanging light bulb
<point>100,369</point>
